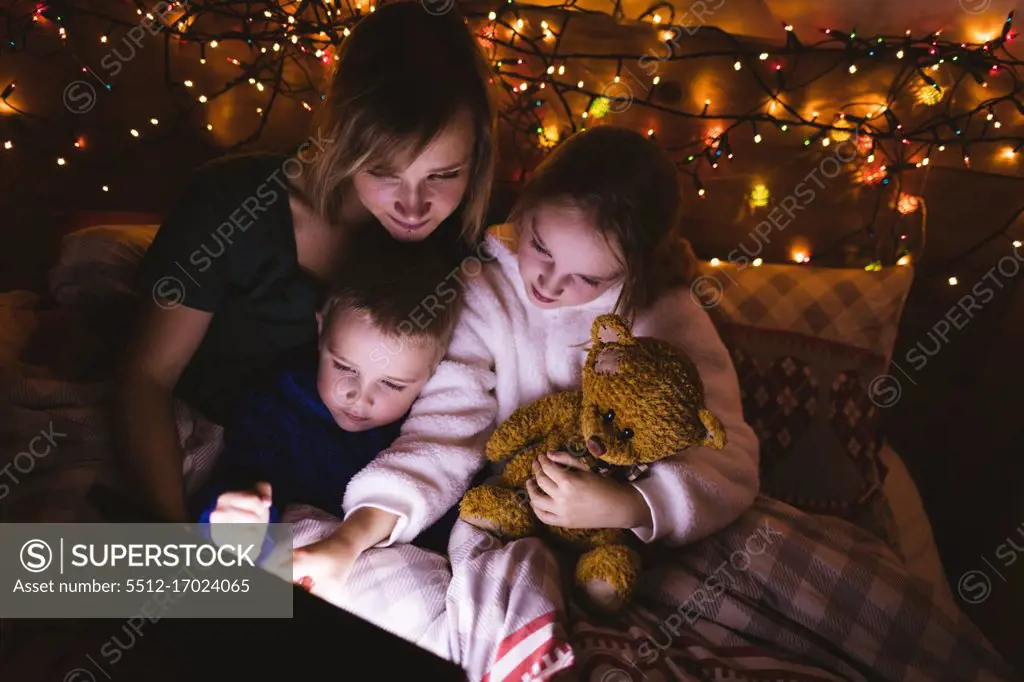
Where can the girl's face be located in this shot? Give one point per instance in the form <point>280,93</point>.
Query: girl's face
<point>564,259</point>
<point>411,197</point>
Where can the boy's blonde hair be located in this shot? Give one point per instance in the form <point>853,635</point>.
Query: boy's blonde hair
<point>400,79</point>
<point>408,290</point>
<point>630,187</point>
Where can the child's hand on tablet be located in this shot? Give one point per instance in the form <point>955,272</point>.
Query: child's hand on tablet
<point>242,507</point>
<point>323,567</point>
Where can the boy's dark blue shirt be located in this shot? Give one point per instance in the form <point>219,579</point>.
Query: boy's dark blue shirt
<point>283,433</point>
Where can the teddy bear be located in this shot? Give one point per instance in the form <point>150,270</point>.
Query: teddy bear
<point>641,400</point>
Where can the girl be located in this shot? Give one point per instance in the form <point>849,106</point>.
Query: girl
<point>595,232</point>
<point>236,270</point>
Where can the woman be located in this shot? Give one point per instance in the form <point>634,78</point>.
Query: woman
<point>404,138</point>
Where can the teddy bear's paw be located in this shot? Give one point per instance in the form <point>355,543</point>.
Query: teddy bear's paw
<point>496,510</point>
<point>607,574</point>
<point>604,596</point>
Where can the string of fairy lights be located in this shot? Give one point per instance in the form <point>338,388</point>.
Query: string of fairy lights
<point>281,47</point>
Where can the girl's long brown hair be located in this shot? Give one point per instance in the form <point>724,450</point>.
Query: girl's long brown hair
<point>630,187</point>
<point>401,77</point>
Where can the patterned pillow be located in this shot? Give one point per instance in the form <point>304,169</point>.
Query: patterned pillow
<point>807,343</point>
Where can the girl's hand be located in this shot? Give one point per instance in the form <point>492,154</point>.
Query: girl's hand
<point>323,567</point>
<point>566,493</point>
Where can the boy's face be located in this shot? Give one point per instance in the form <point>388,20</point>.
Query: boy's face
<point>366,378</point>
<point>564,259</point>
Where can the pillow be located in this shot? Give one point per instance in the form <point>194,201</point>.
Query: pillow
<point>807,343</point>
<point>98,263</point>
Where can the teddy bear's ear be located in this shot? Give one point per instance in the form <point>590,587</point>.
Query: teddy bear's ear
<point>716,432</point>
<point>611,329</point>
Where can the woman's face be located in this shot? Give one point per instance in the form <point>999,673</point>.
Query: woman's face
<point>415,195</point>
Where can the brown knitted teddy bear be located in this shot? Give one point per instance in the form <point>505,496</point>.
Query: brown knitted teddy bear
<point>642,400</point>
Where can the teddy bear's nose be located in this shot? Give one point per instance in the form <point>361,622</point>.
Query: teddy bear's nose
<point>595,446</point>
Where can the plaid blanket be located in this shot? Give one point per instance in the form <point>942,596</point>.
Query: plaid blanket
<point>778,595</point>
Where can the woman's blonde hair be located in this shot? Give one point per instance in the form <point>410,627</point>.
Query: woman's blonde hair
<point>401,77</point>
<point>630,187</point>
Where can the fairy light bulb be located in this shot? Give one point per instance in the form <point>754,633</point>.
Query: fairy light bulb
<point>657,79</point>
<point>561,70</point>
<point>853,68</point>
<point>1016,243</point>
<point>757,138</point>
<point>551,70</point>
<point>61,161</point>
<point>737,65</point>
<point>904,260</point>
<point>214,44</point>
<point>657,18</point>
<point>899,55</point>
<point>105,188</point>
<point>8,145</point>
<point>188,84</point>
<point>579,84</point>
<point>763,56</point>
<point>1009,153</point>
<point>519,25</point>
<point>757,262</point>
<point>715,262</point>
<point>202,99</point>
<point>953,281</point>
<point>154,121</point>
<point>134,132</point>
<point>492,15</point>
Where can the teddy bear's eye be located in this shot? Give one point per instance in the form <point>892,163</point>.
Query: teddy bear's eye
<point>609,416</point>
<point>625,434</point>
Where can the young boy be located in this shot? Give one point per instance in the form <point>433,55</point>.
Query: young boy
<point>302,433</point>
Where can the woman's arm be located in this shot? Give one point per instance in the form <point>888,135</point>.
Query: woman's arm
<point>695,493</point>
<point>149,449</point>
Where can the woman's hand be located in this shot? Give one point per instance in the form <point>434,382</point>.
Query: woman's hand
<point>567,494</point>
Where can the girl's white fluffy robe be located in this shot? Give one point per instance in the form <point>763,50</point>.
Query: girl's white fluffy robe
<point>506,352</point>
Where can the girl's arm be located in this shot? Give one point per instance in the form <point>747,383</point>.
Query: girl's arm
<point>144,415</point>
<point>694,494</point>
<point>430,465</point>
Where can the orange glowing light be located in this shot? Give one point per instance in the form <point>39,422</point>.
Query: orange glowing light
<point>908,204</point>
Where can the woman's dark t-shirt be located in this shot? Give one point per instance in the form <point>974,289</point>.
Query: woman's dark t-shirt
<point>228,247</point>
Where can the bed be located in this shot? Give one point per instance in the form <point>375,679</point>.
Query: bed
<point>813,337</point>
